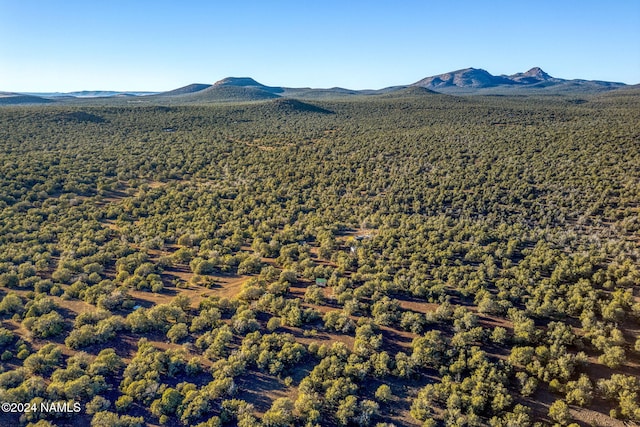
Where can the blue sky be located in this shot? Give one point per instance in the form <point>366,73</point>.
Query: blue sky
<point>66,45</point>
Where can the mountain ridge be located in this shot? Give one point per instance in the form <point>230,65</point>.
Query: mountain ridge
<point>479,80</point>
<point>466,81</point>
<point>466,77</point>
<point>534,75</point>
<point>13,98</point>
<point>184,90</point>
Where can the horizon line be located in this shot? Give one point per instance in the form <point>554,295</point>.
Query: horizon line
<point>51,92</point>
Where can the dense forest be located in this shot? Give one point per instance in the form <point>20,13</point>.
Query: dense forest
<point>411,259</point>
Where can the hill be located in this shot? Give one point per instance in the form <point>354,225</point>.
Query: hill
<point>292,106</point>
<point>10,98</point>
<point>478,81</point>
<point>467,78</point>
<point>88,94</point>
<point>104,93</point>
<point>468,81</point>
<point>534,75</point>
<point>229,94</point>
<point>192,88</point>
<point>406,91</point>
<point>246,82</point>
<point>230,89</point>
<point>310,93</point>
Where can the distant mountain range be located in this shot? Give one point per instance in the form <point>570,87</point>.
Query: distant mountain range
<point>237,89</point>
<point>475,80</point>
<point>11,98</point>
<point>88,94</point>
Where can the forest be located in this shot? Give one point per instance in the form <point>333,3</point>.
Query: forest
<point>411,259</point>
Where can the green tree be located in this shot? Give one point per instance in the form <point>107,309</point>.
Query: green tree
<point>280,414</point>
<point>559,412</point>
<point>384,394</point>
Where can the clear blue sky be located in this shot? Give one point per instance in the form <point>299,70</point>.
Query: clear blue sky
<point>66,45</point>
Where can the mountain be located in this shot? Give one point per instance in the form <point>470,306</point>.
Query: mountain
<point>88,94</point>
<point>225,94</point>
<point>472,80</point>
<point>192,88</point>
<point>248,89</point>
<point>230,89</point>
<point>467,78</point>
<point>10,98</point>
<point>468,81</point>
<point>246,82</point>
<point>105,93</point>
<point>534,75</point>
